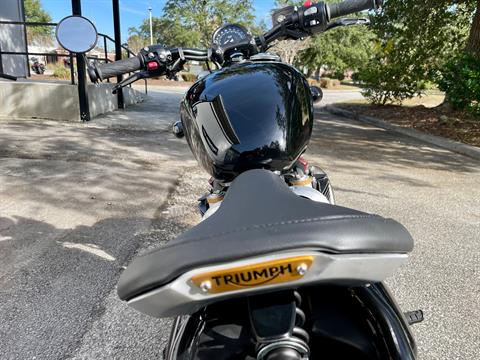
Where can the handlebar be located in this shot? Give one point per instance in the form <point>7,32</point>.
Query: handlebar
<point>300,22</point>
<point>352,6</point>
<point>120,67</point>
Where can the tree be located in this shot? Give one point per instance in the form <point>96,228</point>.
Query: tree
<point>288,50</point>
<point>473,45</point>
<point>460,77</point>
<point>35,13</point>
<point>166,32</point>
<point>340,49</point>
<point>415,40</point>
<point>136,42</point>
<point>191,23</point>
<point>200,18</point>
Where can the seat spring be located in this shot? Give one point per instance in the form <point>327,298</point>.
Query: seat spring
<point>298,332</point>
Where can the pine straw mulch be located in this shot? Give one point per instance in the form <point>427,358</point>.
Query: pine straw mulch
<point>440,121</point>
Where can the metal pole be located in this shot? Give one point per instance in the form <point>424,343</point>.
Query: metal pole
<point>106,52</point>
<point>82,80</point>
<point>25,36</point>
<point>1,64</point>
<point>72,70</point>
<point>151,28</point>
<point>118,47</point>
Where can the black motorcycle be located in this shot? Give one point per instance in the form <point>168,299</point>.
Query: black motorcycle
<point>37,67</point>
<point>274,270</point>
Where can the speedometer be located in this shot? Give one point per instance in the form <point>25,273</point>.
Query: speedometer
<point>229,35</point>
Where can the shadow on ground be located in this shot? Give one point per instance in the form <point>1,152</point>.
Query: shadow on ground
<point>348,141</point>
<point>51,298</point>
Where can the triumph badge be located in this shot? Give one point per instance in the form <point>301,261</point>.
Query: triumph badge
<point>254,275</point>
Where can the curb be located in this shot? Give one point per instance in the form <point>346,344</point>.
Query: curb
<point>448,144</point>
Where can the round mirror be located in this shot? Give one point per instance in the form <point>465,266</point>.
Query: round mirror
<point>317,94</point>
<point>76,34</point>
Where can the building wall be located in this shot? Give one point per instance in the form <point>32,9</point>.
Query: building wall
<point>12,38</point>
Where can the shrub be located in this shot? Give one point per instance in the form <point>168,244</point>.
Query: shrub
<point>460,79</point>
<point>414,38</point>
<point>428,85</point>
<point>328,83</point>
<point>325,83</point>
<point>356,77</point>
<point>61,72</point>
<point>340,75</point>
<point>189,77</point>
<point>388,84</point>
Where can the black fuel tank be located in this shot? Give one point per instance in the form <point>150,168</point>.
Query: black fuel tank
<point>247,116</point>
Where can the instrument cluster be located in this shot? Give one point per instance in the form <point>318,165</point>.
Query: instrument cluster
<point>229,35</point>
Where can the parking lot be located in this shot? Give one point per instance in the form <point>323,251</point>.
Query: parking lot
<point>77,202</point>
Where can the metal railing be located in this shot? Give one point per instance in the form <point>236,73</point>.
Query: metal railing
<point>27,53</point>
<point>55,55</point>
<point>129,53</point>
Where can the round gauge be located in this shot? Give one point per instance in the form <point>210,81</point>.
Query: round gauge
<point>228,35</point>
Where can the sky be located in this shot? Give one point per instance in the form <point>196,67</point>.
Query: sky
<point>132,12</point>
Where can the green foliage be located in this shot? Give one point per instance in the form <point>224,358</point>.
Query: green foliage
<point>415,38</point>
<point>136,42</point>
<point>341,49</point>
<point>460,79</point>
<point>191,23</point>
<point>338,50</point>
<point>35,13</point>
<point>340,75</point>
<point>165,31</point>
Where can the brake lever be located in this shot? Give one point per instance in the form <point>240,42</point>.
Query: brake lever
<point>347,22</point>
<point>130,80</point>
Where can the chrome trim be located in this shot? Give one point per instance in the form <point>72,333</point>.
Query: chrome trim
<point>305,191</point>
<point>288,343</point>
<point>181,296</point>
<point>310,193</point>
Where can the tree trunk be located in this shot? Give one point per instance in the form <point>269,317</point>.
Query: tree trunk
<point>473,45</point>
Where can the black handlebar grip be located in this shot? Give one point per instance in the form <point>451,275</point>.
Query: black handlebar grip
<point>120,67</point>
<point>352,6</point>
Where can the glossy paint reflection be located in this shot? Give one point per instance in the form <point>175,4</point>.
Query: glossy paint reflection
<point>267,105</point>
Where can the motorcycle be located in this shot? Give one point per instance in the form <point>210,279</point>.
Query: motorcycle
<point>275,270</point>
<point>37,66</point>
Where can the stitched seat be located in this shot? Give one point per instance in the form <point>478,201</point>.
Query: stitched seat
<point>261,215</point>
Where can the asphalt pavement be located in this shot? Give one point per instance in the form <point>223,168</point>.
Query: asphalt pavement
<point>78,202</point>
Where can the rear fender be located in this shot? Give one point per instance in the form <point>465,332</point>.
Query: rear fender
<point>381,311</point>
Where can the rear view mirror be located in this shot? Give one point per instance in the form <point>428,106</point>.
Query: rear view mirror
<point>76,34</point>
<point>317,94</point>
